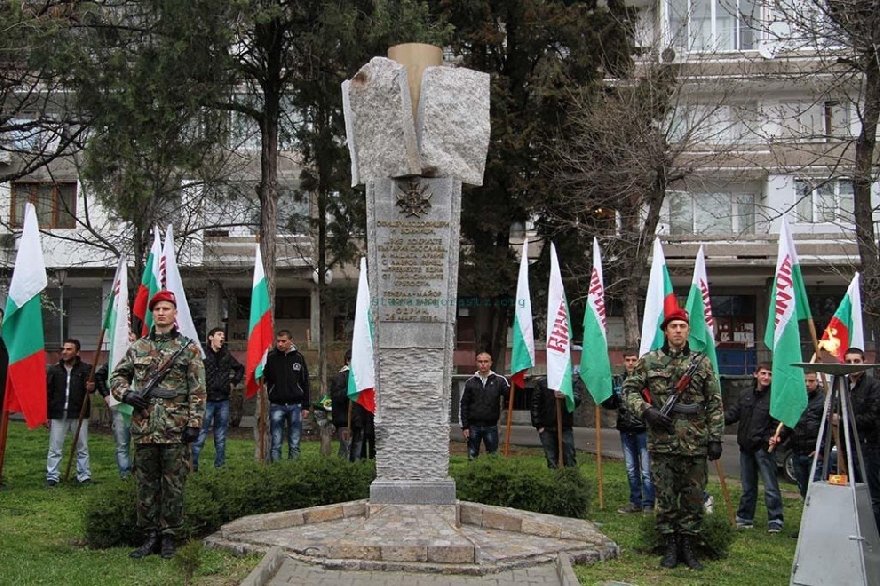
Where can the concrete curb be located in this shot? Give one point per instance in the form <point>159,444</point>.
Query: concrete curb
<point>564,571</point>
<point>266,569</point>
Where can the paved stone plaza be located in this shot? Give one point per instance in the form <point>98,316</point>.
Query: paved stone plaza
<point>467,543</point>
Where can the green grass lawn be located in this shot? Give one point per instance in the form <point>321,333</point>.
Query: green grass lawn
<point>41,530</point>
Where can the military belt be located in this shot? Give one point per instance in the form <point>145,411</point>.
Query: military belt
<point>687,411</point>
<point>163,393</point>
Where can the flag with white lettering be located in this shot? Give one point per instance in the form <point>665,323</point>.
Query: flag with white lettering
<point>595,362</point>
<point>699,307</point>
<point>788,305</point>
<point>558,335</point>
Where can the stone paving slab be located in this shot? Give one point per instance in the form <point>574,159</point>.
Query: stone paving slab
<point>358,543</point>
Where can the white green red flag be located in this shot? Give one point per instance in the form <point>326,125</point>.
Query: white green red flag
<point>558,335</point>
<point>260,334</point>
<point>788,305</point>
<point>23,328</point>
<point>523,355</point>
<point>362,374</point>
<point>595,362</point>
<point>846,330</point>
<point>699,308</point>
<point>150,284</point>
<point>174,283</point>
<point>117,323</point>
<point>659,301</point>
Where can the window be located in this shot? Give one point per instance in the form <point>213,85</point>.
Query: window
<point>711,213</point>
<point>825,201</point>
<point>55,203</point>
<point>713,25</point>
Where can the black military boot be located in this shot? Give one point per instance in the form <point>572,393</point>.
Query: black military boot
<point>150,546</point>
<point>670,556</point>
<point>688,555</point>
<point>167,547</point>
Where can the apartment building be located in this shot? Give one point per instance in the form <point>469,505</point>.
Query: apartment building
<point>771,122</point>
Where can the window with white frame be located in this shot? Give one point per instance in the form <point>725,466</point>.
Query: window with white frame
<point>711,214</point>
<point>824,201</point>
<point>713,25</point>
<point>815,120</point>
<point>715,123</point>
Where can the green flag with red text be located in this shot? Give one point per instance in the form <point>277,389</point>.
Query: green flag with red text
<point>788,305</point>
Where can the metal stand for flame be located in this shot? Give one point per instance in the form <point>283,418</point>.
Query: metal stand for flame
<point>838,541</point>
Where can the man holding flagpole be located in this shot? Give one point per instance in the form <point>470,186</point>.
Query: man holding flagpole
<point>680,442</point>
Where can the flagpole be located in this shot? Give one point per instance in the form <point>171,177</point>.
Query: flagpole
<point>264,398</point>
<point>85,405</point>
<point>599,457</point>
<point>559,432</point>
<point>725,492</point>
<point>509,421</point>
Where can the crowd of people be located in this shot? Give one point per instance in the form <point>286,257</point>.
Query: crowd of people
<point>167,393</point>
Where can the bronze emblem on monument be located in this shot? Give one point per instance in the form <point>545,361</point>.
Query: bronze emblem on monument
<point>414,198</point>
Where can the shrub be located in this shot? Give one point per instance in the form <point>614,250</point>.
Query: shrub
<point>217,496</point>
<point>714,543</point>
<point>524,484</point>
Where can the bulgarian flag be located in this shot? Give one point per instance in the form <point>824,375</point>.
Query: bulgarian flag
<point>659,301</point>
<point>595,363</point>
<point>788,305</point>
<point>116,324</point>
<point>699,305</point>
<point>845,330</point>
<point>523,356</point>
<point>362,376</point>
<point>150,284</point>
<point>260,335</point>
<point>174,283</point>
<point>23,328</point>
<point>558,335</point>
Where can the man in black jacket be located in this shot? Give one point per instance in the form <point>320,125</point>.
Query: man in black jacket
<point>865,405</point>
<point>222,373</point>
<point>544,420</point>
<point>755,435</point>
<point>803,436</point>
<point>287,384</point>
<point>480,406</point>
<point>634,441</point>
<point>67,386</point>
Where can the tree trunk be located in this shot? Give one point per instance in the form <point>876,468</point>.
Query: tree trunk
<point>862,177</point>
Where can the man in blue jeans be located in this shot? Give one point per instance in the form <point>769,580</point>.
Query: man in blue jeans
<point>287,384</point>
<point>480,406</point>
<point>634,441</point>
<point>755,435</point>
<point>222,373</point>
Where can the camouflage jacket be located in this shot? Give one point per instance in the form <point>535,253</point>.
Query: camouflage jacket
<point>658,372</point>
<point>166,418</point>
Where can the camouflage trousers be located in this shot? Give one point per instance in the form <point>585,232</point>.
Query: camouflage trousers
<point>160,471</point>
<point>679,482</point>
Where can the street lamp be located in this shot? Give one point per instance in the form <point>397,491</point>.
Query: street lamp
<point>61,276</point>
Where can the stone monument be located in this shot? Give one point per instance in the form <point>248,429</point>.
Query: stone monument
<point>416,132</point>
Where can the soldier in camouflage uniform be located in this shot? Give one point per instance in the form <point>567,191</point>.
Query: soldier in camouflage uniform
<point>678,443</point>
<point>163,425</point>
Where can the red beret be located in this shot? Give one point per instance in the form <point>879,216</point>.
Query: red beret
<point>677,314</point>
<point>164,295</point>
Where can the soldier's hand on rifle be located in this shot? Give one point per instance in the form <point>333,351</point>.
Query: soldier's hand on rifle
<point>714,450</point>
<point>135,400</point>
<point>191,434</point>
<point>657,421</point>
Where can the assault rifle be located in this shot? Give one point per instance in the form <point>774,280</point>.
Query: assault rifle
<point>149,389</point>
<point>682,383</point>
